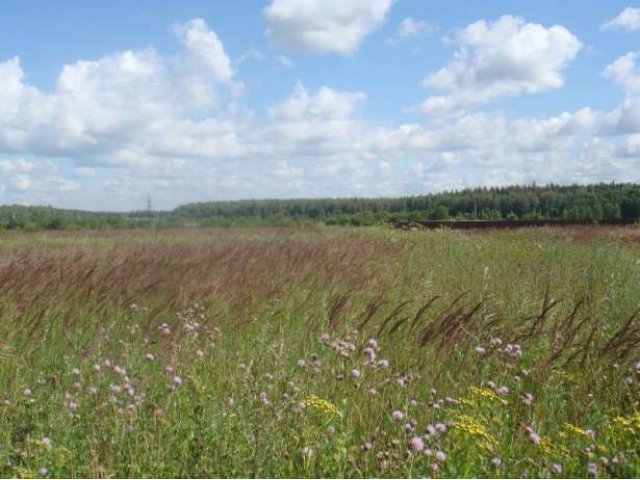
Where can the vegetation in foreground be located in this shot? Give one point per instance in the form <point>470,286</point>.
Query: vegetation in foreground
<point>319,353</point>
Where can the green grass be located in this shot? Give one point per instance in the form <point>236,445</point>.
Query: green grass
<point>265,300</point>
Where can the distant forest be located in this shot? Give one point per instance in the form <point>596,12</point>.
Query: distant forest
<point>589,202</point>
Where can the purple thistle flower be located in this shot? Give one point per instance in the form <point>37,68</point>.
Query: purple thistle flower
<point>556,468</point>
<point>592,469</point>
<point>397,415</point>
<point>534,437</point>
<point>416,444</point>
<point>441,456</point>
<point>496,462</point>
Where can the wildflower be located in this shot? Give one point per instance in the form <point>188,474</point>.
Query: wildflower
<point>434,467</point>
<point>397,415</point>
<point>383,363</point>
<point>413,403</point>
<point>355,373</point>
<point>177,381</point>
<point>592,469</point>
<point>324,338</point>
<point>372,391</point>
<point>416,444</point>
<point>441,427</point>
<point>107,363</point>
<point>42,471</point>
<point>534,437</point>
<point>93,390</point>
<point>369,352</point>
<point>149,356</point>
<point>118,370</point>
<point>427,452</point>
<point>604,461</point>
<point>367,446</point>
<point>590,433</point>
<point>115,389</point>
<point>481,350</point>
<point>431,430</point>
<point>495,342</point>
<point>230,402</point>
<point>322,405</point>
<point>372,343</point>
<point>503,390</point>
<point>263,398</point>
<point>200,353</point>
<point>491,385</point>
<point>306,452</point>
<point>409,427</point>
<point>97,368</point>
<point>27,392</point>
<point>73,406</point>
<point>496,462</point>
<point>638,367</point>
<point>301,363</point>
<point>527,399</point>
<point>441,456</point>
<point>556,468</point>
<point>46,442</point>
<point>75,372</point>
<point>330,430</point>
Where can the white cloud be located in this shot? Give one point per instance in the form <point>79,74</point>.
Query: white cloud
<point>505,58</point>
<point>136,122</point>
<point>326,104</point>
<point>625,73</point>
<point>124,105</point>
<point>624,119</point>
<point>285,61</point>
<point>323,26</point>
<point>628,20</point>
<point>410,27</point>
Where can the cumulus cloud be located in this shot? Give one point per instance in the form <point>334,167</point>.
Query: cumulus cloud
<point>504,58</point>
<point>628,20</point>
<point>323,26</point>
<point>625,73</point>
<point>625,119</point>
<point>135,122</point>
<point>122,105</point>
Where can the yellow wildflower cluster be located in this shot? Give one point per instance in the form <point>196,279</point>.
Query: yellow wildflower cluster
<point>487,393</point>
<point>549,448</point>
<point>572,428</point>
<point>631,424</point>
<point>325,406</point>
<point>468,424</point>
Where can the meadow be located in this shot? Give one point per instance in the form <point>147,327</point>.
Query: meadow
<point>320,352</point>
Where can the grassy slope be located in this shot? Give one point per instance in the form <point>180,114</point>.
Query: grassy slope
<point>265,297</point>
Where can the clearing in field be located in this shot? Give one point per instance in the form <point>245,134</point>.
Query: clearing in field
<point>320,353</point>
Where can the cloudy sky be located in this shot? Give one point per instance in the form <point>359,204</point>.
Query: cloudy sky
<point>104,103</point>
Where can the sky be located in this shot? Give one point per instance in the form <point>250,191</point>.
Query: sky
<point>103,104</point>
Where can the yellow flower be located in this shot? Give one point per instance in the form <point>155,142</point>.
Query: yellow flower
<point>322,405</point>
<point>487,393</point>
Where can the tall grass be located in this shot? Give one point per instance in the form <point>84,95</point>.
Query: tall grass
<point>319,353</point>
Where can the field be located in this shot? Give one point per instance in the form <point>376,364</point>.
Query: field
<point>320,352</point>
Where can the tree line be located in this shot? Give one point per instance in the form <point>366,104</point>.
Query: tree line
<point>530,202</point>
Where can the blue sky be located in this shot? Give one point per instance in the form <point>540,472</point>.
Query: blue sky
<point>104,103</point>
